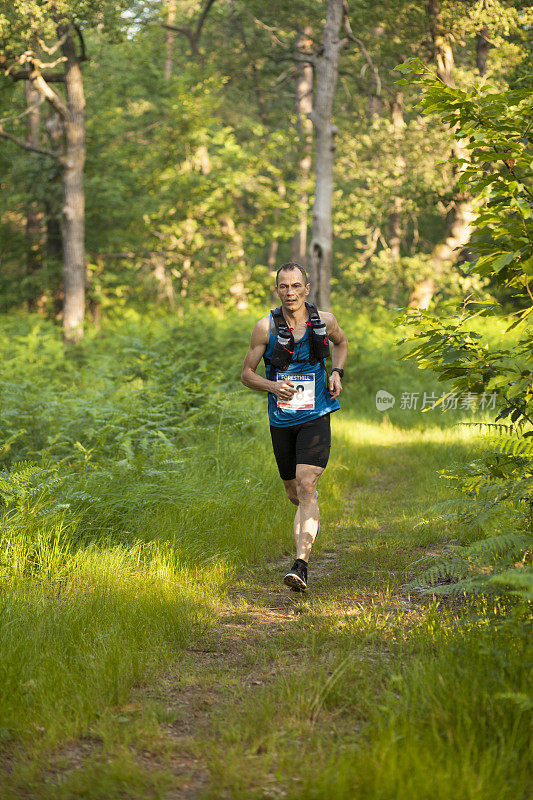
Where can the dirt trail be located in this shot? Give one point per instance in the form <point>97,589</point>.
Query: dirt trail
<point>232,660</point>
<point>227,665</point>
<point>200,681</point>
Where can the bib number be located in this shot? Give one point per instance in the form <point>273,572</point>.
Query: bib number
<point>304,396</point>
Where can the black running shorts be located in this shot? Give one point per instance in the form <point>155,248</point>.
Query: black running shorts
<point>307,443</point>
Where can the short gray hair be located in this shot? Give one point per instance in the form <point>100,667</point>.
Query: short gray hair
<point>293,265</point>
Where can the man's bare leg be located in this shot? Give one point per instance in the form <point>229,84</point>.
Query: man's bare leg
<point>307,476</point>
<point>292,494</point>
<point>305,542</point>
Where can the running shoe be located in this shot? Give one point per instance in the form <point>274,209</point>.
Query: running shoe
<point>296,578</point>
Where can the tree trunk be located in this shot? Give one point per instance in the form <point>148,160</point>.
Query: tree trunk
<point>54,255</point>
<point>54,244</point>
<point>238,291</point>
<point>271,263</point>
<point>396,214</point>
<point>395,239</point>
<point>459,226</point>
<point>304,107</point>
<point>73,216</point>
<point>33,214</point>
<point>445,253</point>
<point>327,70</point>
<point>395,229</point>
<point>169,38</point>
<point>165,287</point>
<point>443,52</point>
<point>273,246</point>
<point>52,212</point>
<point>482,50</point>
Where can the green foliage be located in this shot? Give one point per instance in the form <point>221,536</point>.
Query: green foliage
<point>145,400</point>
<point>132,484</point>
<point>114,557</point>
<point>22,24</point>
<point>498,172</point>
<point>195,179</point>
<point>495,126</point>
<point>448,711</point>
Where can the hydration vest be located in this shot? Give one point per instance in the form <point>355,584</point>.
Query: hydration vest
<point>284,344</point>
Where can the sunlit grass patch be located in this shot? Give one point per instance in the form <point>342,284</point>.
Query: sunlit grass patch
<point>74,642</point>
<point>445,724</point>
<point>159,492</point>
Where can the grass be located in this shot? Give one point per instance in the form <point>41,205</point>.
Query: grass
<point>138,484</point>
<point>380,698</point>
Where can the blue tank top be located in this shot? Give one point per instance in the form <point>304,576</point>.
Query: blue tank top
<point>324,403</point>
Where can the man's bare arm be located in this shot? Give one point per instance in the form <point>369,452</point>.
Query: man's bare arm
<point>249,377</point>
<point>258,345</point>
<point>339,351</point>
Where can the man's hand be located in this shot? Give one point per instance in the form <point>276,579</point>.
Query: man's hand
<point>284,391</point>
<point>335,386</point>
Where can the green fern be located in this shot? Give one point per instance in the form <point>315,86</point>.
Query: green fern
<point>518,582</point>
<point>15,483</point>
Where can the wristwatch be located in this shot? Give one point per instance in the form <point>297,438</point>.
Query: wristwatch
<point>339,370</point>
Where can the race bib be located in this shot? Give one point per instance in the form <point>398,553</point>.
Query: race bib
<point>304,396</point>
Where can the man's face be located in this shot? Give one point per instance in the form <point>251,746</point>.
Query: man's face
<point>291,289</point>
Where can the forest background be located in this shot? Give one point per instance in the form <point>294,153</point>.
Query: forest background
<point>158,162</point>
<point>197,154</point>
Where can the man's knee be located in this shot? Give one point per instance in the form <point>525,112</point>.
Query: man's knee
<point>292,493</point>
<point>306,487</point>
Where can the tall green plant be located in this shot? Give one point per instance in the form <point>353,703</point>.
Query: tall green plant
<point>497,487</point>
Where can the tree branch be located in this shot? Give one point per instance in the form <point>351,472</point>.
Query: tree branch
<point>48,93</point>
<point>23,114</point>
<point>192,35</point>
<point>54,48</point>
<point>274,39</point>
<point>359,43</point>
<point>201,21</point>
<point>251,61</point>
<point>289,73</point>
<point>29,58</point>
<point>177,29</point>
<point>49,77</point>
<point>300,58</point>
<point>27,146</point>
<point>83,56</point>
<point>309,59</point>
<point>33,74</point>
<point>43,65</point>
<point>131,255</point>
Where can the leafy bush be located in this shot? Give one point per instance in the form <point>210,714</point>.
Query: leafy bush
<point>498,486</point>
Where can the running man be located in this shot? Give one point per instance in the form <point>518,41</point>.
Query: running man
<point>294,342</point>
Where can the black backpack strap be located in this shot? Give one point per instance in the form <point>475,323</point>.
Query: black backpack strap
<point>319,341</point>
<point>314,316</point>
<point>284,344</point>
<point>279,319</point>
